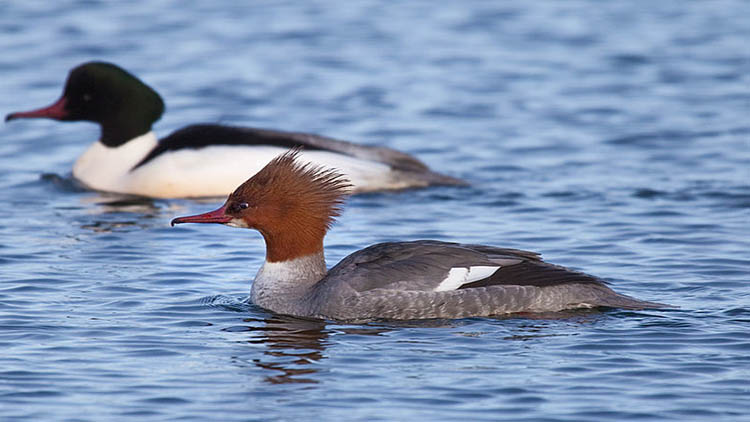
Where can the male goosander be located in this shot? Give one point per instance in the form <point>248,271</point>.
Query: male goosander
<point>293,205</point>
<point>201,160</point>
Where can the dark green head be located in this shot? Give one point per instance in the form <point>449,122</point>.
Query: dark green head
<point>106,94</point>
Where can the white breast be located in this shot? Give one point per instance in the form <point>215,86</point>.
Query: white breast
<point>107,169</point>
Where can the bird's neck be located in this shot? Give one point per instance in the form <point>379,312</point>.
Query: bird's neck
<point>285,286</point>
<point>118,131</point>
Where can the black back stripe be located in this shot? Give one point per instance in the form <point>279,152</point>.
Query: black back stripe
<point>529,273</point>
<point>206,135</point>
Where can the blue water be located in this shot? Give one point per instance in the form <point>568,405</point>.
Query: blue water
<point>613,137</point>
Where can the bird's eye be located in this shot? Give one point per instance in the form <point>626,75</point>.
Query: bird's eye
<point>239,206</point>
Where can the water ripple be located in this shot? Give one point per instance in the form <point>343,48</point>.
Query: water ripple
<point>623,153</point>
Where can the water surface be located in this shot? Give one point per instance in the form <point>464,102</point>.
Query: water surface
<point>611,137</point>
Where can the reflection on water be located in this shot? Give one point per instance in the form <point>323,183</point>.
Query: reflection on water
<point>113,204</point>
<point>293,345</point>
<point>112,212</point>
<point>109,226</point>
<point>116,212</point>
<point>65,184</point>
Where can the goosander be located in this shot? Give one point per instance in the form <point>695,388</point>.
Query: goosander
<point>202,160</point>
<point>293,205</point>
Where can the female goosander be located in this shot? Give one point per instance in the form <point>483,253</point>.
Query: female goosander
<point>200,160</point>
<point>293,205</point>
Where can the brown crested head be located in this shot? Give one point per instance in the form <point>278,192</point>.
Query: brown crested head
<point>288,193</point>
<point>291,204</point>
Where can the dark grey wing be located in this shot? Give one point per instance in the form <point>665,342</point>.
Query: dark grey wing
<point>405,167</point>
<point>204,135</point>
<point>440,266</point>
<point>393,158</point>
<point>429,279</point>
<point>533,273</point>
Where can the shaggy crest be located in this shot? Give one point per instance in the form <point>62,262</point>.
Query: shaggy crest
<point>320,191</point>
<point>292,204</point>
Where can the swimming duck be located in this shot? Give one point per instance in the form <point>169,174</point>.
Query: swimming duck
<point>201,160</point>
<point>293,204</point>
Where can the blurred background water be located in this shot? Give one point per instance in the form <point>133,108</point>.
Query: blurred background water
<point>613,137</point>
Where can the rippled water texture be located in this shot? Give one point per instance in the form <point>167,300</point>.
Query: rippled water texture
<point>611,136</point>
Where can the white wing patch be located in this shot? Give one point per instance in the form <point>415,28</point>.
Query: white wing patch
<point>459,276</point>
